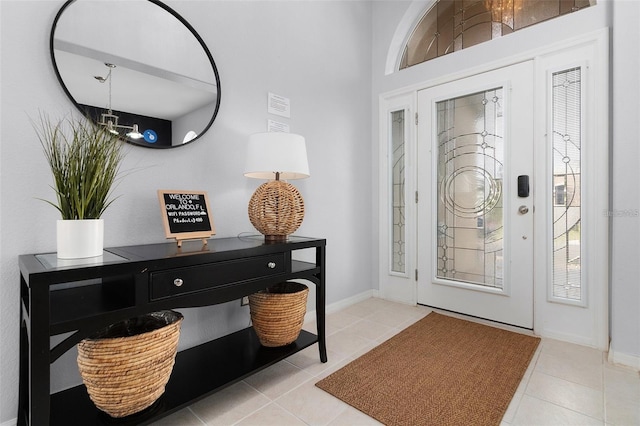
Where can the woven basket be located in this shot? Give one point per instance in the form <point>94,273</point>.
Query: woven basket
<point>277,313</point>
<point>126,366</point>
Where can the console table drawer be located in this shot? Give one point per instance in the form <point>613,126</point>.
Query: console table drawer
<point>196,278</point>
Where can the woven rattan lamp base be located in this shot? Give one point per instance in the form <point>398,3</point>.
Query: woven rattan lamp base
<point>276,209</point>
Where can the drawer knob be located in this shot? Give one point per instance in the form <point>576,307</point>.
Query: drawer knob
<point>178,282</point>
<point>271,265</point>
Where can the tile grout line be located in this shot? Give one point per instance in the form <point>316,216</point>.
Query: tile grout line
<point>196,416</point>
<point>566,408</point>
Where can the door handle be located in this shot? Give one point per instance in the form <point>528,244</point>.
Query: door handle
<point>523,186</point>
<point>523,209</point>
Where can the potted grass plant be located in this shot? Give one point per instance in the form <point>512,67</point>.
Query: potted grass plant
<point>85,160</point>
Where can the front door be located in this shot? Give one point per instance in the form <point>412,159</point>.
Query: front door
<point>475,185</point>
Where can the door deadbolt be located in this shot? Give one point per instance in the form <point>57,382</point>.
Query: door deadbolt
<point>523,209</point>
<point>523,186</point>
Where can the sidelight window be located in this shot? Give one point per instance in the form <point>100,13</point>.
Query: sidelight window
<point>566,126</point>
<point>397,156</point>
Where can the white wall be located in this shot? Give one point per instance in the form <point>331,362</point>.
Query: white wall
<point>623,15</point>
<point>625,231</point>
<point>315,53</point>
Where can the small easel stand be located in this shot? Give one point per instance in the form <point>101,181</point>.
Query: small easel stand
<point>204,240</point>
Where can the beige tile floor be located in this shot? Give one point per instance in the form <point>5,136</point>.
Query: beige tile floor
<point>565,384</point>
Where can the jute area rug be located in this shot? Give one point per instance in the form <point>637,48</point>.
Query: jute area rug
<point>439,371</point>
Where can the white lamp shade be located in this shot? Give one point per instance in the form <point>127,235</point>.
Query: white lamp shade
<point>276,152</point>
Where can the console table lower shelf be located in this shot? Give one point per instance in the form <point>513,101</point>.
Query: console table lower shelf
<point>198,372</point>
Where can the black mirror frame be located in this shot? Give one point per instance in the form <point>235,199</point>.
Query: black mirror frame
<point>186,24</point>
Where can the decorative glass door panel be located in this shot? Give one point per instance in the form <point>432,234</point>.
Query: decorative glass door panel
<point>470,132</point>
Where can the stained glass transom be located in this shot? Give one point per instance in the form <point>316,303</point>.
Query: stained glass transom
<point>452,25</point>
<point>398,263</point>
<point>566,126</point>
<point>469,188</point>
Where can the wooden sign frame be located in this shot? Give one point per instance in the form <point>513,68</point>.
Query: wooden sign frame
<point>188,216</point>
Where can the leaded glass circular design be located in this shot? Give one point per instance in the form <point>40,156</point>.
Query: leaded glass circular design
<point>482,189</point>
<point>470,172</point>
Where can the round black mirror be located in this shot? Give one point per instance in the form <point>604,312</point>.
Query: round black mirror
<point>138,68</point>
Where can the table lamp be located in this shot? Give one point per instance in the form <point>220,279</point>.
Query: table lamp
<point>276,209</point>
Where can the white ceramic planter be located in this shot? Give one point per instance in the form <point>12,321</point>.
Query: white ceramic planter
<point>80,238</point>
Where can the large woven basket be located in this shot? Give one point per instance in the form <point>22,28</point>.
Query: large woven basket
<point>126,366</point>
<point>277,313</point>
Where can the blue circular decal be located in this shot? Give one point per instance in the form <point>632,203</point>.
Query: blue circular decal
<point>150,136</point>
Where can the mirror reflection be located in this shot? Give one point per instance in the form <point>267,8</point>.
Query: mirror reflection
<point>138,68</point>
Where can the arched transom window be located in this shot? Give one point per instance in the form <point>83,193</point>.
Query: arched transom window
<point>452,25</point>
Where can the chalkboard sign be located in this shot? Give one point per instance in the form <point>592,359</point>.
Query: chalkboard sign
<point>186,215</point>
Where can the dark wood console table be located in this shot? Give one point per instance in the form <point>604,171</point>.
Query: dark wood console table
<point>75,298</point>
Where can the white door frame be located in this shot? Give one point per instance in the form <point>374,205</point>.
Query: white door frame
<point>548,313</point>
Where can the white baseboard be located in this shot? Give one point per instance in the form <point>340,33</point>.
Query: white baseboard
<point>570,338</point>
<point>624,359</point>
<point>341,304</point>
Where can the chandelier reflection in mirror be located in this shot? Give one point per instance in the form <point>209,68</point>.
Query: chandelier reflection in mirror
<point>109,119</point>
